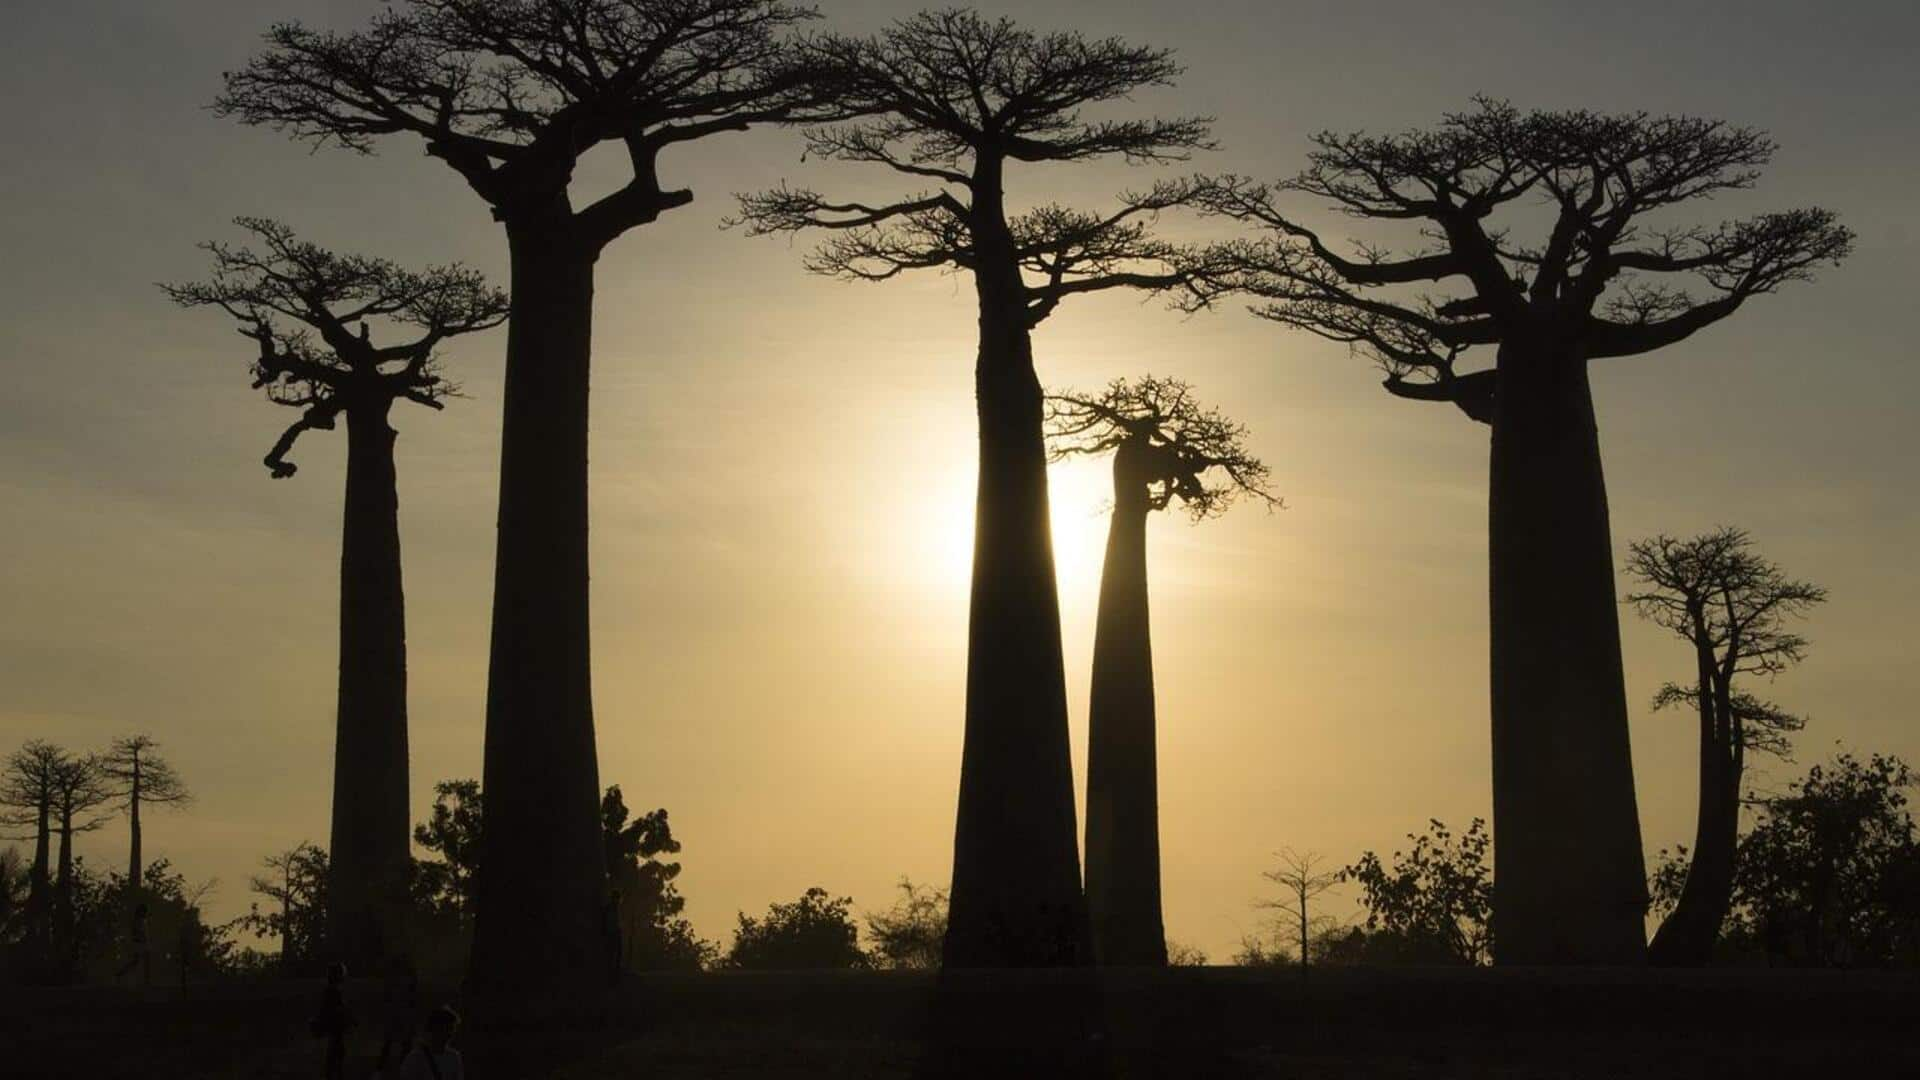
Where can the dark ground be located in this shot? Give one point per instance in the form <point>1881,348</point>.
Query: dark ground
<point>1199,1022</point>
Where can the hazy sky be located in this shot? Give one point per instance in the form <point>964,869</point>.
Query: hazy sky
<point>782,465</point>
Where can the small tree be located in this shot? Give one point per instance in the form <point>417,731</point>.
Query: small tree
<point>654,935</point>
<point>1609,277</point>
<point>511,95</point>
<point>949,100</point>
<point>1435,903</point>
<point>1733,607</point>
<point>815,931</point>
<point>297,881</point>
<point>452,832</point>
<point>142,778</point>
<point>1302,879</point>
<point>79,790</point>
<point>908,936</point>
<point>1166,449</point>
<point>29,782</point>
<point>299,304</point>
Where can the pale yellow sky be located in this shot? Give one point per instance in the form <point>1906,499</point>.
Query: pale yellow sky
<point>782,464</point>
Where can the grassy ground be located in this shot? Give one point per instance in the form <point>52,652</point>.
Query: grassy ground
<point>1203,1022</point>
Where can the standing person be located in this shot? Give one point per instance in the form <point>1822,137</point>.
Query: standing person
<point>333,1021</point>
<point>435,1058</point>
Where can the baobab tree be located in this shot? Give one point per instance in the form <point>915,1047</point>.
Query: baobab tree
<point>29,783</point>
<point>1166,449</point>
<point>1609,278</point>
<point>1733,607</point>
<point>79,790</point>
<point>511,95</point>
<point>949,100</point>
<point>300,304</point>
<point>140,778</point>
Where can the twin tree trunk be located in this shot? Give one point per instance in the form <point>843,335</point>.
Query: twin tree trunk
<point>1123,816</point>
<point>1569,885</point>
<point>369,858</point>
<point>1016,899</point>
<point>1687,935</point>
<point>542,875</point>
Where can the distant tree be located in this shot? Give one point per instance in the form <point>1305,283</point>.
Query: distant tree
<point>511,96</point>
<point>140,777</point>
<point>909,935</point>
<point>298,303</point>
<point>654,935</point>
<point>14,884</point>
<point>29,781</point>
<point>1435,902</point>
<point>1302,877</point>
<point>1733,607</point>
<point>296,880</point>
<point>79,791</point>
<point>104,907</point>
<point>1257,951</point>
<point>815,931</point>
<point>1595,285</point>
<point>1830,873</point>
<point>1166,449</point>
<point>948,99</point>
<point>452,832</point>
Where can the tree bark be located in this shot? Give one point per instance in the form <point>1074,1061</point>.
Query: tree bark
<point>1016,899</point>
<point>369,856</point>
<point>1569,881</point>
<point>1123,801</point>
<point>542,875</point>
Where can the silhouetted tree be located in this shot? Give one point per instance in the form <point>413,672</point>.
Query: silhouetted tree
<point>511,95</point>
<point>1571,886</point>
<point>1302,881</point>
<point>1180,954</point>
<point>79,789</point>
<point>140,777</point>
<point>28,786</point>
<point>1830,873</point>
<point>951,99</point>
<point>15,876</point>
<point>299,302</point>
<point>1435,903</point>
<point>297,880</point>
<point>1166,449</point>
<point>654,935</point>
<point>1733,607</point>
<point>909,935</point>
<point>451,831</point>
<point>815,931</point>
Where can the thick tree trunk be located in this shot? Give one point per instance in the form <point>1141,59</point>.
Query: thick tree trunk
<point>1016,899</point>
<point>542,875</point>
<point>1569,884</point>
<point>40,879</point>
<point>63,913</point>
<point>1123,801</point>
<point>369,857</point>
<point>1687,935</point>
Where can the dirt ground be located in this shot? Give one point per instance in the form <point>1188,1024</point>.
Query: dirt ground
<point>1189,1022</point>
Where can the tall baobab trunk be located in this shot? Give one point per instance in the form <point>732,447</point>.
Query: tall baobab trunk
<point>1016,899</point>
<point>1687,935</point>
<point>542,876</point>
<point>1123,802</point>
<point>63,913</point>
<point>134,865</point>
<point>1569,885</point>
<point>368,862</point>
<point>40,878</point>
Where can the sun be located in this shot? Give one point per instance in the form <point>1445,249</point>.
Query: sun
<point>1079,493</point>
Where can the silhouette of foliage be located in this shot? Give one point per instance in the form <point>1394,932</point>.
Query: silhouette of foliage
<point>298,302</point>
<point>1434,903</point>
<point>452,832</point>
<point>296,883</point>
<point>815,931</point>
<point>908,935</point>
<point>1187,445</point>
<point>1180,954</point>
<point>14,874</point>
<point>137,774</point>
<point>1302,880</point>
<point>654,935</point>
<point>1599,277</point>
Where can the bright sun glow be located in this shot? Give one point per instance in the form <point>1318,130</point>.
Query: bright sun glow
<point>1080,492</point>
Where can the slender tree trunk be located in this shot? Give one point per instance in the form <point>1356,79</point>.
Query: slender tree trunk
<point>542,876</point>
<point>368,859</point>
<point>1687,935</point>
<point>1123,801</point>
<point>1569,881</point>
<point>63,915</point>
<point>40,879</point>
<point>134,865</point>
<point>1016,899</point>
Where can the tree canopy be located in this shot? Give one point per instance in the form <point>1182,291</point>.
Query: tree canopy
<point>1196,455</point>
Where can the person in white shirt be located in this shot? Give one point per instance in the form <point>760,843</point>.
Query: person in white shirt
<point>435,1058</point>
